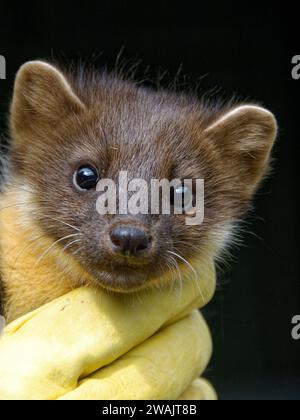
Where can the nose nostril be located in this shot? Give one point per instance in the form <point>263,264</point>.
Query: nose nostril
<point>141,247</point>
<point>129,240</point>
<point>117,243</point>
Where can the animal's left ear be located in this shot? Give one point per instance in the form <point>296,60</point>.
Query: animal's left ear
<point>245,136</point>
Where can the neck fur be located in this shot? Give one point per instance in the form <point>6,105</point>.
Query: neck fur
<point>28,283</point>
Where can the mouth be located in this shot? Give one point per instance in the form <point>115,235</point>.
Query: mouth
<point>123,275</point>
<point>125,278</point>
<point>120,273</point>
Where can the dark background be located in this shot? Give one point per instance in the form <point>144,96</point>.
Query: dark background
<point>244,49</point>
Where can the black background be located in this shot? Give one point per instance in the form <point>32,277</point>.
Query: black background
<point>245,49</point>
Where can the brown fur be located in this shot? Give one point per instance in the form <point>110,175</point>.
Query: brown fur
<point>60,121</point>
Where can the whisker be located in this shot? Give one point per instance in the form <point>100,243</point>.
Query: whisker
<point>31,243</point>
<point>11,206</point>
<point>41,214</point>
<point>60,221</point>
<point>179,275</point>
<point>71,243</point>
<point>53,245</point>
<point>191,268</point>
<point>170,267</point>
<point>77,251</point>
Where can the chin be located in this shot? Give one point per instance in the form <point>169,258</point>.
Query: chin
<point>125,280</point>
<point>120,277</point>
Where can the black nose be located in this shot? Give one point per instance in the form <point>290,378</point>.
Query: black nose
<point>129,240</point>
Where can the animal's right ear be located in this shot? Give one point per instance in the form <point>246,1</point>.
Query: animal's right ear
<point>42,98</point>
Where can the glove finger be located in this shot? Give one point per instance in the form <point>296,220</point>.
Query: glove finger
<point>200,390</point>
<point>160,368</point>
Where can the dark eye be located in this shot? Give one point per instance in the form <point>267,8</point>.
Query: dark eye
<point>181,197</point>
<point>86,178</point>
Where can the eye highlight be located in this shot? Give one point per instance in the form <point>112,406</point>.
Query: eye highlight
<point>86,177</point>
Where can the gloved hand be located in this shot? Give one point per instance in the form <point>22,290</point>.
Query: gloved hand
<point>90,344</point>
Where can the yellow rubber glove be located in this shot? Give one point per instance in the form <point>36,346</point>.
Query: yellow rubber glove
<point>92,345</point>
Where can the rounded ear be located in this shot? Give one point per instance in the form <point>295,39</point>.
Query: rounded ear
<point>245,136</point>
<point>42,97</point>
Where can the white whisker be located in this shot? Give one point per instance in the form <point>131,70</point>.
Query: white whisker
<point>61,221</point>
<point>191,268</point>
<point>179,275</point>
<point>71,243</point>
<point>53,245</point>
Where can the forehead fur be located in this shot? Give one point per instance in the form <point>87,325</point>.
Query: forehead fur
<point>122,122</point>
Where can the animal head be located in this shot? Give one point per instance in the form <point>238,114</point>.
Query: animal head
<point>69,131</point>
